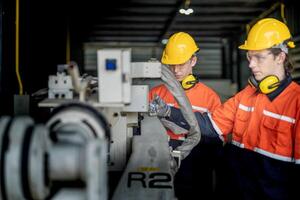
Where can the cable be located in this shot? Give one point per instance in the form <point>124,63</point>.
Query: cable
<point>282,12</point>
<point>68,51</point>
<point>248,28</point>
<point>17,49</point>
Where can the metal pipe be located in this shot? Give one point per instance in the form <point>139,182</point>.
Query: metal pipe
<point>17,48</point>
<point>65,163</point>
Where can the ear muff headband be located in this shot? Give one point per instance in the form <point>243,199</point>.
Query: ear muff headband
<point>252,81</point>
<point>266,85</point>
<point>189,82</point>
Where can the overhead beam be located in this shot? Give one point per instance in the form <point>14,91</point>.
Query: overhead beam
<point>138,18</point>
<point>176,27</point>
<point>129,32</point>
<point>149,31</point>
<point>179,25</point>
<point>163,17</point>
<point>147,26</point>
<point>168,2</point>
<point>213,18</point>
<point>143,38</point>
<point>204,41</point>
<point>124,39</point>
<point>169,23</point>
<point>215,25</point>
<point>222,9</point>
<point>154,10</point>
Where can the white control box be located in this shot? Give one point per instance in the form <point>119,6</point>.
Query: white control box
<point>114,80</point>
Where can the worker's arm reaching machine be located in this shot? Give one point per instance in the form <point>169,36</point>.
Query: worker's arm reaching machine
<point>175,117</point>
<point>194,133</point>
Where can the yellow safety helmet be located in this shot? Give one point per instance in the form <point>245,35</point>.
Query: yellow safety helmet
<point>267,33</point>
<point>179,49</point>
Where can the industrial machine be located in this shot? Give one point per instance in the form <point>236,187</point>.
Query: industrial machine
<point>89,135</point>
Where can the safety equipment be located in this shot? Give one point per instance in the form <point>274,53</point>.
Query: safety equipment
<point>266,85</point>
<point>265,137</point>
<point>179,49</point>
<point>159,108</point>
<point>270,124</point>
<point>201,97</point>
<point>267,33</point>
<point>189,82</point>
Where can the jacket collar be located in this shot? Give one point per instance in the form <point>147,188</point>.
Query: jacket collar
<point>282,86</point>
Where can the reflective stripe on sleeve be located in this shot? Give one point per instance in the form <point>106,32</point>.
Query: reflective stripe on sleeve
<point>268,154</point>
<point>181,138</point>
<point>217,129</point>
<point>200,108</point>
<point>246,108</point>
<point>280,117</point>
<point>241,145</point>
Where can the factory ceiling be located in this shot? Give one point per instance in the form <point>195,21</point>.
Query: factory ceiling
<point>153,21</point>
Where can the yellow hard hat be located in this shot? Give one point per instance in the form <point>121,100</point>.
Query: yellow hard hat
<point>266,33</point>
<point>179,49</point>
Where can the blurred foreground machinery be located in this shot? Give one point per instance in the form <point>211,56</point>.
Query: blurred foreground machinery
<point>70,156</point>
<point>36,159</point>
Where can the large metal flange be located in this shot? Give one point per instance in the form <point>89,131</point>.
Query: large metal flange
<point>38,182</point>
<point>78,118</point>
<point>4,127</point>
<point>18,137</point>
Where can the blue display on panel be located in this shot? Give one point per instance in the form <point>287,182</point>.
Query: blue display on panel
<point>111,64</point>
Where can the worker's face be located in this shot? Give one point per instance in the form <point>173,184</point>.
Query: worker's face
<point>182,70</point>
<point>263,63</point>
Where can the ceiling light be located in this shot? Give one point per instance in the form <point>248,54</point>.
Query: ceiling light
<point>182,11</point>
<point>190,10</point>
<point>186,10</point>
<point>164,41</point>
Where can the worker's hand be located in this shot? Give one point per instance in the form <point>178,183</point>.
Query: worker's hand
<point>175,160</point>
<point>173,166</point>
<point>159,108</point>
